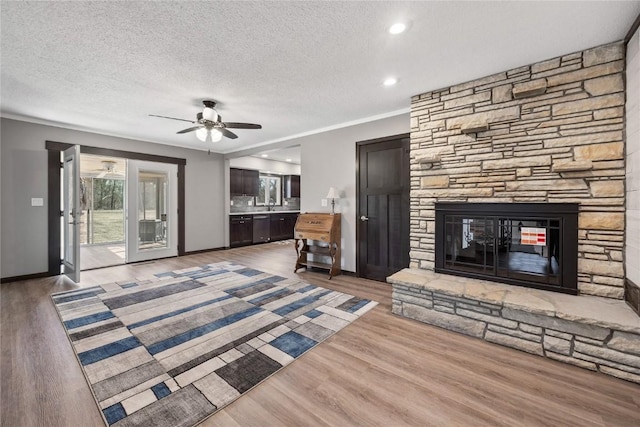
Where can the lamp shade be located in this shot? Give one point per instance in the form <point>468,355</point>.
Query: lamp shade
<point>216,135</point>
<point>209,114</point>
<point>333,193</point>
<point>201,134</point>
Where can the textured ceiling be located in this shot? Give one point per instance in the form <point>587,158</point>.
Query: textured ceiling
<point>294,67</point>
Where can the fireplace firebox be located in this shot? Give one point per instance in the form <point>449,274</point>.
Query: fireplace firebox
<point>525,244</point>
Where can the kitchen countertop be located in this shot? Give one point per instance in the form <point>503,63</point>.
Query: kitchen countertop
<point>261,213</point>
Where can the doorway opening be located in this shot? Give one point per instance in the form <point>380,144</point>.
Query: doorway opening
<point>147,189</point>
<point>102,215</point>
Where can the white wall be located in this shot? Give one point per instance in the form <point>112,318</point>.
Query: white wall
<point>632,248</point>
<point>329,160</point>
<point>265,165</point>
<point>24,175</point>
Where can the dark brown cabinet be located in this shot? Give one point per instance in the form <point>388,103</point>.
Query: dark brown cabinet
<point>244,182</point>
<point>282,225</point>
<point>240,230</point>
<point>291,186</point>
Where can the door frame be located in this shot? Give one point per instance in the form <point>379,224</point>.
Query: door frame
<point>359,146</point>
<point>53,192</point>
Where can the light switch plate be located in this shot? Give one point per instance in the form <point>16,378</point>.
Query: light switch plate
<point>324,202</point>
<point>37,201</point>
<point>232,203</point>
<point>249,203</point>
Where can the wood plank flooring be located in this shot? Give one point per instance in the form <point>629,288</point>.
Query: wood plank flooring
<point>100,256</point>
<point>382,370</point>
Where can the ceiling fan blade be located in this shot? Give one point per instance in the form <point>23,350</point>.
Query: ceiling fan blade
<point>227,133</point>
<point>234,125</point>
<point>189,129</point>
<point>171,118</point>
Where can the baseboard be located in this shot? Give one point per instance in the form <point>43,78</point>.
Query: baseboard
<point>201,251</point>
<point>632,295</point>
<point>26,277</point>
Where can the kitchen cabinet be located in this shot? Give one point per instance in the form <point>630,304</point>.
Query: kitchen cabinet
<point>244,182</point>
<point>291,186</point>
<point>282,225</point>
<point>240,230</point>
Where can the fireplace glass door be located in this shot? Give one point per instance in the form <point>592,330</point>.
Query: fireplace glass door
<point>521,248</point>
<point>470,243</point>
<point>512,247</point>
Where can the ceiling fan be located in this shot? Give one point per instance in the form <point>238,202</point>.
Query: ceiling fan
<point>210,124</point>
<point>108,169</point>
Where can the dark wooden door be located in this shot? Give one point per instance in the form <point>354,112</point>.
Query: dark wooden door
<point>383,206</point>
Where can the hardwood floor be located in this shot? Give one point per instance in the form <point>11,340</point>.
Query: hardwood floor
<point>99,256</point>
<point>381,370</point>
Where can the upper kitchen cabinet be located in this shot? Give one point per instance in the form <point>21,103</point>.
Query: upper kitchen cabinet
<point>244,182</point>
<point>291,186</point>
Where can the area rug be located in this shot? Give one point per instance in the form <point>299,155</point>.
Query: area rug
<point>174,348</point>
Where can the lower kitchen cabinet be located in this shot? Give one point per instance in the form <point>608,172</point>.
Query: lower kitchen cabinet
<point>260,228</point>
<point>282,225</point>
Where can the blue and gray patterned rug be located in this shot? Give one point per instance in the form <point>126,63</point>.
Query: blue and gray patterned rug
<point>172,349</point>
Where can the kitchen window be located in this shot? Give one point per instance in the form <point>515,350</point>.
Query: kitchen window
<point>269,191</point>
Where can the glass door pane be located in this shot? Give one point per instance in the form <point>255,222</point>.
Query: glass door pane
<point>71,212</point>
<point>529,248</point>
<point>470,243</point>
<point>152,209</point>
<point>152,212</point>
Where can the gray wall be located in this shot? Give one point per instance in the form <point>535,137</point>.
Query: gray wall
<point>329,160</point>
<point>24,175</point>
<point>632,249</point>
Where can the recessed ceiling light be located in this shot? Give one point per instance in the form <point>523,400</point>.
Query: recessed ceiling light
<point>390,81</point>
<point>288,160</point>
<point>265,155</point>
<point>397,28</point>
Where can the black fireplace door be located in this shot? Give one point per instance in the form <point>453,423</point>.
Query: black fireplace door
<point>536,250</point>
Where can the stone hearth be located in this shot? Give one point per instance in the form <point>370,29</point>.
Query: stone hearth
<point>595,333</point>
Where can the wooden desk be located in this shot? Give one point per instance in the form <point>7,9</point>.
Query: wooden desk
<point>317,240</point>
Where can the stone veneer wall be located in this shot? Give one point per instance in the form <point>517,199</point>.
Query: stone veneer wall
<point>546,132</point>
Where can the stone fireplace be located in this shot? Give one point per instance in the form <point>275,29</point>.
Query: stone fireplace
<point>550,132</point>
<point>519,178</point>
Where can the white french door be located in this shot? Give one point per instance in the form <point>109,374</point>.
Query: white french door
<point>152,210</point>
<point>71,212</point>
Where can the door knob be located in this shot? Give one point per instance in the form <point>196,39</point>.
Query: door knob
<point>364,218</point>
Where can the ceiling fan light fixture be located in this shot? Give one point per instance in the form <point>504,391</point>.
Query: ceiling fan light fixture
<point>108,165</point>
<point>209,114</point>
<point>215,134</point>
<point>202,134</point>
